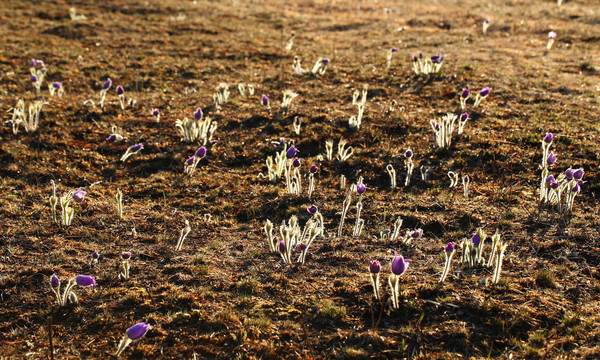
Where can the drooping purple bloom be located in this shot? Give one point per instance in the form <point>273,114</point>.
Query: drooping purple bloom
<point>57,85</point>
<point>437,59</point>
<point>297,120</point>
<point>360,188</point>
<point>548,138</point>
<point>487,21</point>
<point>394,49</point>
<point>449,248</point>
<point>465,93</point>
<point>107,84</point>
<point>578,174</point>
<point>120,90</point>
<point>408,154</point>
<point>296,162</point>
<point>111,138</point>
<point>54,281</point>
<point>476,239</point>
<point>138,330</point>
<point>312,209</point>
<point>198,114</point>
<point>95,255</point>
<point>375,267</point>
<point>554,184</point>
<point>576,188</point>
<point>313,169</point>
<point>281,246</point>
<point>85,280</point>
<point>291,152</point>
<point>549,179</point>
<point>415,58</point>
<point>551,159</point>
<point>136,148</point>
<point>417,234</point>
<point>420,54</point>
<point>265,100</point>
<point>485,91</point>
<point>399,264</point>
<point>32,63</point>
<point>34,78</point>
<point>464,117</point>
<point>79,195</point>
<point>39,63</point>
<point>155,112</point>
<point>201,152</point>
<point>126,255</point>
<point>325,61</point>
<point>437,126</point>
<point>190,160</point>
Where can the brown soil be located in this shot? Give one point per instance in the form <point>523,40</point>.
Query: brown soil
<point>225,295</point>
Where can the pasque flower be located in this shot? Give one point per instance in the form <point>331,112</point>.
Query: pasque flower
<point>107,84</point>
<point>120,90</point>
<point>54,281</point>
<point>85,280</point>
<point>375,267</point>
<point>291,152</point>
<point>313,169</point>
<point>416,234</point>
<point>360,188</point>
<point>201,152</point>
<point>79,195</point>
<point>134,333</point>
<point>485,91</point>
<point>399,264</point>
<point>551,159</point>
<point>198,114</point>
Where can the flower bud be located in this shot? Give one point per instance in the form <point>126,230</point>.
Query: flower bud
<point>79,195</point>
<point>375,267</point>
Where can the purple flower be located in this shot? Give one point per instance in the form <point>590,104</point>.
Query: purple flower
<point>39,63</point>
<point>549,179</point>
<point>548,138</point>
<point>416,234</point>
<point>95,255</point>
<point>437,59</point>
<point>296,162</point>
<point>569,173</point>
<point>487,21</point>
<point>112,138</point>
<point>415,58</point>
<point>281,246</point>
<point>312,209</point>
<point>375,267</point>
<point>465,93</point>
<point>420,54</point>
<point>120,90</point>
<point>126,255</point>
<point>576,188</point>
<point>198,114</point>
<point>449,248</point>
<point>265,100</point>
<point>107,84</point>
<point>464,117</point>
<point>155,112</point>
<point>578,174</point>
<point>301,247</point>
<point>136,148</point>
<point>485,92</point>
<point>554,184</point>
<point>297,120</point>
<point>291,152</point>
<point>437,126</point>
<point>325,61</point>
<point>476,239</point>
<point>394,49</point>
<point>34,78</point>
<point>190,160</point>
<point>551,35</point>
<point>313,169</point>
<point>32,63</point>
<point>399,265</point>
<point>201,152</point>
<point>79,195</point>
<point>85,280</point>
<point>54,281</point>
<point>408,154</point>
<point>551,159</point>
<point>57,85</point>
<point>138,330</point>
<point>360,188</point>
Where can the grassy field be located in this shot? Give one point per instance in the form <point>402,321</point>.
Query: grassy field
<point>225,295</point>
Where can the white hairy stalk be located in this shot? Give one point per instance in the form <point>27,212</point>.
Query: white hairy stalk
<point>184,233</point>
<point>390,170</point>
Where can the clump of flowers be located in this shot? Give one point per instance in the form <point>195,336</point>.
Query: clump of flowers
<point>472,253</point>
<point>443,130</point>
<point>275,169</point>
<point>38,72</point>
<point>293,236</point>
<point>245,88</point>
<point>288,97</point>
<point>292,171</point>
<point>68,296</point>
<point>67,212</point>
<point>355,121</point>
<point>132,150</point>
<point>56,88</point>
<point>134,333</point>
<point>427,66</point>
<point>29,120</point>
<point>320,66</point>
<point>192,162</point>
<point>198,128</point>
<point>221,96</point>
